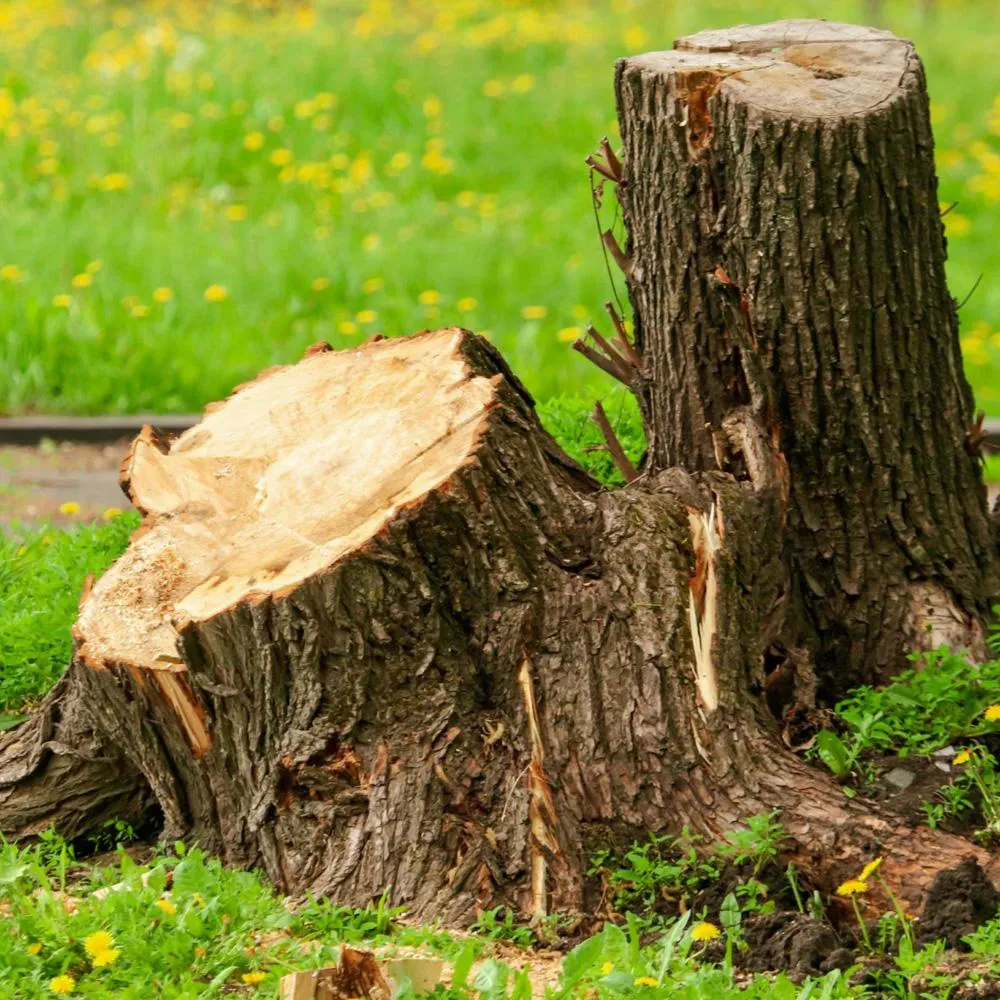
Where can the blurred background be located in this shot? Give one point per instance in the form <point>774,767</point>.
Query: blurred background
<point>191,191</point>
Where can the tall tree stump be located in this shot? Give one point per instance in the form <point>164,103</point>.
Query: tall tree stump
<point>786,268</point>
<point>378,632</point>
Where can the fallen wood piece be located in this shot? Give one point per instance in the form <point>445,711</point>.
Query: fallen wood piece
<point>362,974</point>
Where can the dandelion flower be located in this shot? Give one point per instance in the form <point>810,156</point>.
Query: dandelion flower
<point>869,870</point>
<point>852,887</point>
<point>466,305</point>
<point>168,908</point>
<point>97,942</point>
<point>493,88</point>
<point>466,199</point>
<point>216,293</point>
<point>432,107</point>
<point>523,83</point>
<point>34,948</point>
<point>62,985</point>
<point>370,242</point>
<point>84,280</point>
<point>607,967</point>
<point>253,141</point>
<point>115,182</point>
<point>645,981</point>
<point>992,714</point>
<point>320,284</point>
<point>962,757</point>
<point>568,333</point>
<point>69,508</point>
<point>162,294</point>
<point>253,978</point>
<point>105,957</point>
<point>111,513</point>
<point>372,285</point>
<point>704,932</point>
<point>140,311</point>
<point>348,327</point>
<point>62,301</point>
<point>94,266</point>
<point>429,297</point>
<point>11,272</point>
<point>367,316</point>
<point>281,157</point>
<point>236,213</point>
<point>534,312</point>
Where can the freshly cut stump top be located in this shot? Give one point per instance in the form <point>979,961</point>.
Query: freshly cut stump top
<point>292,472</point>
<point>794,68</point>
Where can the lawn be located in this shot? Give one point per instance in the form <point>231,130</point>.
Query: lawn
<point>190,192</point>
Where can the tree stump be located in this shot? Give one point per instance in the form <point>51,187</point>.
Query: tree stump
<point>378,632</point>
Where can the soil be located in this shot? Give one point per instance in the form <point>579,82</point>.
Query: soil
<point>35,482</point>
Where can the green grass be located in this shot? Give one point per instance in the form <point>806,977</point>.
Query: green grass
<point>41,577</point>
<point>182,926</point>
<point>413,197</point>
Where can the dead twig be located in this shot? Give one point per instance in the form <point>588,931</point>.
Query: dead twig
<point>621,258</point>
<point>602,362</point>
<point>615,449</point>
<point>622,337</point>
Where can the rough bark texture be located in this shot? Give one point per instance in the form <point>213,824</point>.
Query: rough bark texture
<point>787,274</point>
<point>508,668</point>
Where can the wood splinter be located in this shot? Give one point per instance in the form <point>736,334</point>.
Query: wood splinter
<point>621,258</point>
<point>610,361</point>
<point>622,337</point>
<point>614,447</point>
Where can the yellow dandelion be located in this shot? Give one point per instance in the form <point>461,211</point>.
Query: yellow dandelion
<point>467,304</point>
<point>97,942</point>
<point>466,199</point>
<point>367,316</point>
<point>253,141</point>
<point>992,714</point>
<point>493,88</point>
<point>607,967</point>
<point>62,301</point>
<point>568,334</point>
<point>253,978</point>
<point>869,870</point>
<point>216,293</point>
<point>275,123</point>
<point>48,166</point>
<point>111,513</point>
<point>236,213</point>
<point>371,285</point>
<point>429,297</point>
<point>281,157</point>
<point>200,952</point>
<point>94,266</point>
<point>139,311</point>
<point>704,932</point>
<point>320,284</point>
<point>370,242</point>
<point>852,887</point>
<point>180,119</point>
<point>168,908</point>
<point>115,182</point>
<point>62,985</point>
<point>83,280</point>
<point>962,757</point>
<point>523,83</point>
<point>305,109</point>
<point>11,272</point>
<point>199,899</point>
<point>34,948</point>
<point>348,327</point>
<point>162,294</point>
<point>645,981</point>
<point>105,957</point>
<point>433,106</point>
<point>534,312</point>
<point>69,508</point>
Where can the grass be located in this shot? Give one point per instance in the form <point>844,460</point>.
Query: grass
<point>41,577</point>
<point>194,191</point>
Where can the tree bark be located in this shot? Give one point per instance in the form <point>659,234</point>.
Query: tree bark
<point>786,269</point>
<point>378,632</point>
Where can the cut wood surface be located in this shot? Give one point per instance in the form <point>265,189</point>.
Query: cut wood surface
<point>378,633</point>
